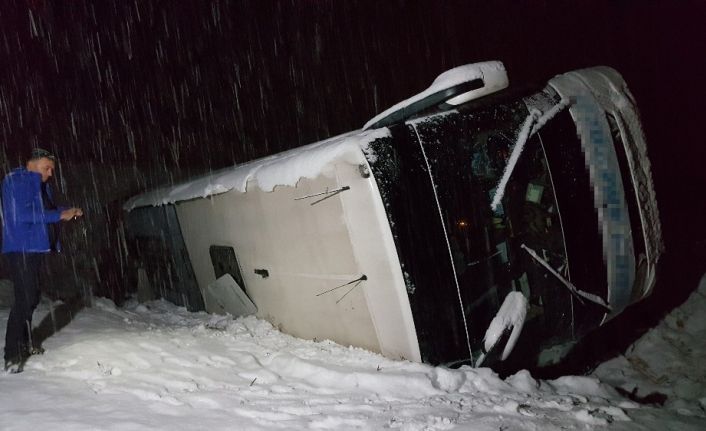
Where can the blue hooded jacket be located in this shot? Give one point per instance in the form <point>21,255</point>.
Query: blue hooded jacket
<point>24,219</point>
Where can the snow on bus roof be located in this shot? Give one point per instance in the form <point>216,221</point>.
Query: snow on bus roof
<point>282,169</point>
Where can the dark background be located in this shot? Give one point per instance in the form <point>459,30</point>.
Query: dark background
<point>133,94</point>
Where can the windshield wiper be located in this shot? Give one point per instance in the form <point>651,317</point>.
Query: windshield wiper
<point>578,293</point>
<point>534,121</point>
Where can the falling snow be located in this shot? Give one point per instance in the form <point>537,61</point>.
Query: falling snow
<point>132,95</point>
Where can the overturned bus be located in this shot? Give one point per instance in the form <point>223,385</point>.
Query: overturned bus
<point>473,223</point>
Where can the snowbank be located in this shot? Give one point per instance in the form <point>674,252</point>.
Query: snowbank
<point>667,363</point>
<point>157,366</point>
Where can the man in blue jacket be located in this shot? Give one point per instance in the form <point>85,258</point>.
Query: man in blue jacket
<point>29,219</point>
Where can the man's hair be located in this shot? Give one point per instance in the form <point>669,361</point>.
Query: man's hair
<point>40,153</point>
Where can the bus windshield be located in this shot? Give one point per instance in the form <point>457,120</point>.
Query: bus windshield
<point>467,155</point>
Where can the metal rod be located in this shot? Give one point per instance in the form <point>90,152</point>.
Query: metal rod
<point>339,190</point>
<point>361,278</point>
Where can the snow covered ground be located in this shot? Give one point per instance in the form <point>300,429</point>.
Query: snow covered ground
<point>157,366</point>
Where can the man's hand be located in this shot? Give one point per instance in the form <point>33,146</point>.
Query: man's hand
<point>71,214</point>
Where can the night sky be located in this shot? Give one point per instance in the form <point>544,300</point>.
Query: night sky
<point>169,89</point>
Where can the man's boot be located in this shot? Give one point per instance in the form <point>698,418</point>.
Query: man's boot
<point>13,365</point>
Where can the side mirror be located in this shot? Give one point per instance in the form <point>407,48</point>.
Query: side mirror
<point>505,326</point>
<point>453,87</point>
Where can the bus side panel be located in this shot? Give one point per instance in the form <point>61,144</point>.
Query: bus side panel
<point>297,259</point>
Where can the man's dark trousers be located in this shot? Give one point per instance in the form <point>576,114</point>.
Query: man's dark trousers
<point>24,273</point>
